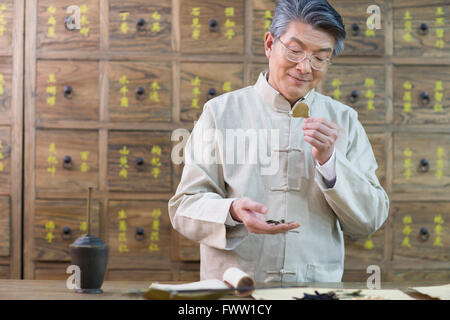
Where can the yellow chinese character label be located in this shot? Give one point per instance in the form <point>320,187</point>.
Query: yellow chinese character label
<point>122,214</point>
<point>156,150</point>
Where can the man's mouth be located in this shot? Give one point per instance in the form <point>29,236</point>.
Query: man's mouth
<point>299,80</point>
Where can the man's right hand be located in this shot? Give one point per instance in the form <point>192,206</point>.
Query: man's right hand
<point>250,213</point>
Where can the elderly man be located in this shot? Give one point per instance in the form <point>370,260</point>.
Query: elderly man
<point>324,184</point>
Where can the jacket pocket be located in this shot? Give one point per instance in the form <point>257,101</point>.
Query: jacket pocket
<point>324,272</point>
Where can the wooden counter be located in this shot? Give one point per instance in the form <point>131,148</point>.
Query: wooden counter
<point>114,290</point>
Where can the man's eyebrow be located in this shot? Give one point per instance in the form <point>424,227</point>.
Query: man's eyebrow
<point>303,45</point>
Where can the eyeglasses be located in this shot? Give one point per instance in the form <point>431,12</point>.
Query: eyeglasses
<point>316,62</point>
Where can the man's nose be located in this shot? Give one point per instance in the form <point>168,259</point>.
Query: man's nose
<point>304,66</point>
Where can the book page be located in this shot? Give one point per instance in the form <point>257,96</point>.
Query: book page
<point>440,292</point>
<point>199,285</point>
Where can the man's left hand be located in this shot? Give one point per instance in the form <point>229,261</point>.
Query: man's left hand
<point>321,134</point>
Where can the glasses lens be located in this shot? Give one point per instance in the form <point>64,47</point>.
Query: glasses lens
<point>318,64</point>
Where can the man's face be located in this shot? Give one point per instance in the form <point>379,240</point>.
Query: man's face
<point>295,80</point>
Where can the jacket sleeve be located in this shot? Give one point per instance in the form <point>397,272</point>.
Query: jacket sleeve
<point>357,198</point>
<point>200,207</point>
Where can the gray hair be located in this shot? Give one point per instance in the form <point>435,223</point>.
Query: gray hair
<point>318,13</point>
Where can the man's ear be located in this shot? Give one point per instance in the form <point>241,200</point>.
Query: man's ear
<point>268,43</point>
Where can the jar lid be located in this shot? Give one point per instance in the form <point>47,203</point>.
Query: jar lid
<point>88,241</point>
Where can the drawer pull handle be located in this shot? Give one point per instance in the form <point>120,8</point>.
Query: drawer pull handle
<point>424,165</point>
<point>355,29</point>
<point>140,24</point>
<point>425,97</point>
<point>423,28</point>
<point>213,25</point>
<point>424,234</point>
<point>140,93</point>
<point>212,92</point>
<point>140,162</point>
<point>68,92</point>
<point>140,234</point>
<point>354,95</point>
<point>66,233</point>
<point>67,162</point>
<point>69,23</point>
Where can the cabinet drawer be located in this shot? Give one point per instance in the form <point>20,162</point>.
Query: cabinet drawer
<point>137,25</point>
<point>215,26</point>
<point>139,235</point>
<point>57,224</point>
<point>421,30</point>
<point>5,226</point>
<point>421,231</point>
<point>360,87</point>
<point>203,81</point>
<point>360,40</point>
<point>421,166</point>
<point>5,160</point>
<point>5,85</point>
<point>139,161</point>
<point>52,33</point>
<point>263,11</point>
<point>140,91</point>
<point>67,90</point>
<point>256,70</point>
<point>6,23</point>
<point>363,252</point>
<point>421,95</point>
<point>66,160</point>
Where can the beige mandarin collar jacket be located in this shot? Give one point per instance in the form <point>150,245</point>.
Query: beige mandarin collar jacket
<point>289,185</point>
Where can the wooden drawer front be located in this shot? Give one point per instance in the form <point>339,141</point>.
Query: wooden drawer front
<point>421,231</point>
<point>6,23</point>
<point>377,140</point>
<point>139,161</point>
<point>203,81</point>
<point>139,91</point>
<point>149,276</point>
<point>5,85</point>
<point>52,34</point>
<point>137,25</point>
<point>421,30</point>
<point>256,70</point>
<point>4,272</point>
<point>139,235</point>
<point>360,87</point>
<point>422,166</point>
<point>363,252</point>
<point>57,224</point>
<point>215,26</point>
<point>360,39</point>
<point>67,90</point>
<point>66,160</point>
<point>421,95</point>
<point>5,160</point>
<point>263,11</point>
<point>5,226</point>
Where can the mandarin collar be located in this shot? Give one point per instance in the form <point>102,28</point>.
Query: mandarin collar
<point>274,99</point>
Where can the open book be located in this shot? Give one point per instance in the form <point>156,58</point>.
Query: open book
<point>234,281</point>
